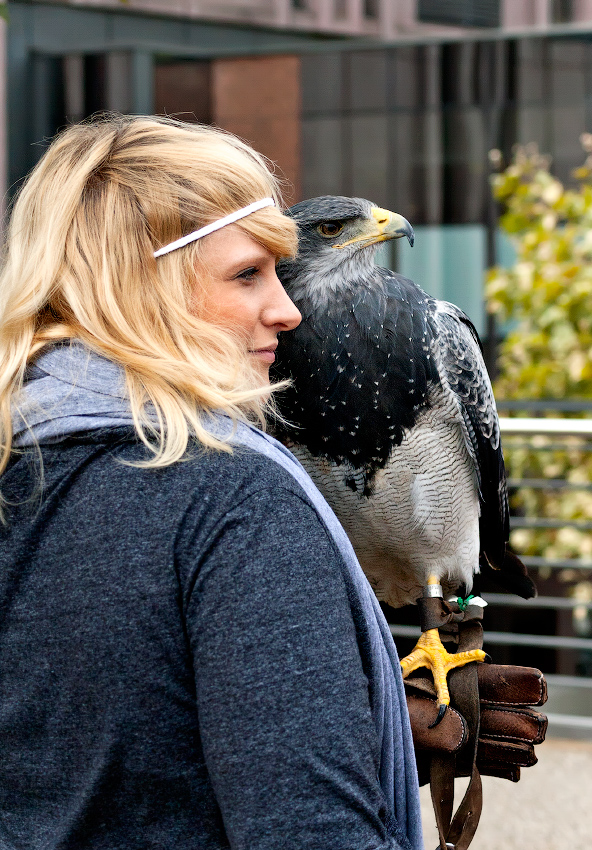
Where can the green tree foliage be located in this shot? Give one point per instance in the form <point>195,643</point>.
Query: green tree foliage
<point>545,302</point>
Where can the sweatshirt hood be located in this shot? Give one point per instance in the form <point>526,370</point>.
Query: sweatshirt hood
<point>69,390</point>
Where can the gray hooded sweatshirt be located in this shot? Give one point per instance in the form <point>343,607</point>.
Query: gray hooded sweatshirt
<point>191,657</point>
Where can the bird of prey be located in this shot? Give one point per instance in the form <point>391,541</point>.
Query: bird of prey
<point>392,414</point>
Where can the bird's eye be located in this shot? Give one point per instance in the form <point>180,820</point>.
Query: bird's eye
<point>330,228</point>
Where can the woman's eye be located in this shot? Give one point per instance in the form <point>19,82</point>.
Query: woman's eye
<point>330,228</point>
<point>248,274</point>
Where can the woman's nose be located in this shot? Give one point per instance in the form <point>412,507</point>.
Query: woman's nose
<point>282,311</point>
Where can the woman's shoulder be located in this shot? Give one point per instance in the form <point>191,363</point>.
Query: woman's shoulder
<point>245,474</point>
<point>240,470</point>
<point>98,476</point>
<point>110,463</point>
<point>243,505</point>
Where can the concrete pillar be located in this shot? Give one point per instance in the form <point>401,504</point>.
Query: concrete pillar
<point>73,66</point>
<point>583,11</point>
<point>118,72</point>
<point>433,135</point>
<point>129,82</point>
<point>526,13</point>
<point>356,16</point>
<point>282,10</point>
<point>516,13</point>
<point>325,14</point>
<point>387,19</point>
<point>406,15</point>
<point>541,13</point>
<point>465,72</point>
<point>142,83</point>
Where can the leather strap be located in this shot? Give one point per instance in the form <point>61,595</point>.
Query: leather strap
<point>457,832</point>
<point>435,612</point>
<point>442,791</point>
<point>466,819</point>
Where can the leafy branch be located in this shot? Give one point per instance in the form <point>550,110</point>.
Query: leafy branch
<point>545,299</point>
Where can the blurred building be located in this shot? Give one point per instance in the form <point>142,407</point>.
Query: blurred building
<point>395,100</point>
<point>383,19</point>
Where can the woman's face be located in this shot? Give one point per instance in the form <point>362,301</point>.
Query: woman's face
<point>244,294</point>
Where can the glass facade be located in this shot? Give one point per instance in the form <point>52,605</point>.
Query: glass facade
<point>460,13</point>
<point>410,127</point>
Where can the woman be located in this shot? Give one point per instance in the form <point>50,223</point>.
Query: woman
<point>189,655</point>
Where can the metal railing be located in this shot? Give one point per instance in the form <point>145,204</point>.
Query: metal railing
<point>511,639</point>
<point>570,697</point>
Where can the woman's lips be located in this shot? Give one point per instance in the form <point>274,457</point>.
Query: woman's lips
<point>267,355</point>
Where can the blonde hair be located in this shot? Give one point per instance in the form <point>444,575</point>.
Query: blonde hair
<point>79,264</point>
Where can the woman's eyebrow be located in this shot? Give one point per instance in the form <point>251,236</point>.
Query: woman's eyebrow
<point>254,259</point>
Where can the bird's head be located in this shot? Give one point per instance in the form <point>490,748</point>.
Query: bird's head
<point>338,238</point>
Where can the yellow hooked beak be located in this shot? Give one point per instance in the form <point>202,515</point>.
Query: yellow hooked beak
<point>383,225</point>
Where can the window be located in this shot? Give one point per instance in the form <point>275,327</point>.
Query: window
<point>562,11</point>
<point>371,8</point>
<point>460,13</point>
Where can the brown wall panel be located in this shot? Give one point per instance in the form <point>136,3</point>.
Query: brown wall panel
<point>259,99</point>
<point>182,90</point>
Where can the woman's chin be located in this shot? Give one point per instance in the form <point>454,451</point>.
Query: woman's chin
<point>260,367</point>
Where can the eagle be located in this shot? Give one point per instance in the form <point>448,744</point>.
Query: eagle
<point>390,410</point>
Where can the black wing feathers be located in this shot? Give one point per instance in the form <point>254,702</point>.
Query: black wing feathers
<point>460,356</point>
<point>353,402</point>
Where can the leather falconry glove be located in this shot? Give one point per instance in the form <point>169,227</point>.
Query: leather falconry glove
<point>510,727</point>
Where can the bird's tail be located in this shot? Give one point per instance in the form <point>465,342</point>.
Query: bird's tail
<point>511,574</point>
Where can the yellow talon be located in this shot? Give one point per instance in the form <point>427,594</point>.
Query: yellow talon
<point>430,653</point>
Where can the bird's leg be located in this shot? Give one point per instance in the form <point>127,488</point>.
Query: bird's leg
<point>429,652</point>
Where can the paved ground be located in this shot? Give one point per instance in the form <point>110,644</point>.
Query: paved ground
<point>549,809</point>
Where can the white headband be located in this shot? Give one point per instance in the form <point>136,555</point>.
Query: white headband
<point>215,225</point>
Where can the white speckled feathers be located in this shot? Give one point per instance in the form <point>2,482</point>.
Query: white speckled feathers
<point>423,516</point>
